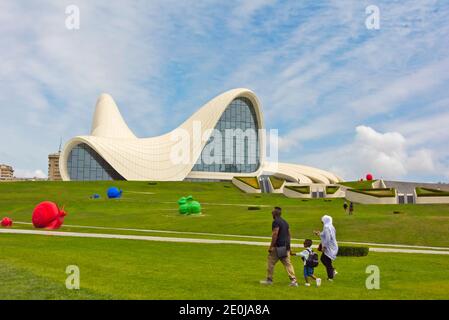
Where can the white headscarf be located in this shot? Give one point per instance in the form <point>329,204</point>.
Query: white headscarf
<point>327,220</point>
<point>328,237</point>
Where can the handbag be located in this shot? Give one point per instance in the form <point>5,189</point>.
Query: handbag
<point>281,252</point>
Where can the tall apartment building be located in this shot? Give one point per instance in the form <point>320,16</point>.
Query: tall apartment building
<point>6,172</point>
<point>53,167</point>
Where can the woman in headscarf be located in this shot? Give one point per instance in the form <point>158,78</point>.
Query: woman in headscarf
<point>329,245</point>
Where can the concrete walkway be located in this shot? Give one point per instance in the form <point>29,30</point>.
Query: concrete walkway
<point>188,240</point>
<point>225,235</point>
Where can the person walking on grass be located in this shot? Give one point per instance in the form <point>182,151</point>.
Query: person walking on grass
<point>279,248</point>
<point>345,206</point>
<point>310,260</point>
<point>329,246</point>
<point>351,208</point>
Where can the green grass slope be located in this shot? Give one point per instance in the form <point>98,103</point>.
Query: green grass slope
<point>225,210</point>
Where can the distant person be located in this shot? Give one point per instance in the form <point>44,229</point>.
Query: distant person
<point>329,246</point>
<point>310,260</point>
<point>351,208</point>
<point>345,206</point>
<point>279,248</point>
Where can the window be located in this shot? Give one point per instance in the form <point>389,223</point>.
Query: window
<point>84,164</point>
<point>239,148</point>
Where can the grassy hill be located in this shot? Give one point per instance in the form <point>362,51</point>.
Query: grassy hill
<point>225,210</point>
<point>33,266</point>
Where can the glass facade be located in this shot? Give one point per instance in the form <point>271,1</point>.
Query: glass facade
<point>234,144</point>
<point>84,164</point>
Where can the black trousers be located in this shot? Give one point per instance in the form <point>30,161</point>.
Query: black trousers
<point>327,262</point>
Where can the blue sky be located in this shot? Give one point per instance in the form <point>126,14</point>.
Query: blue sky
<point>344,98</point>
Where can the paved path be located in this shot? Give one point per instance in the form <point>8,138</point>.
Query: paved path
<point>240,236</point>
<point>188,240</point>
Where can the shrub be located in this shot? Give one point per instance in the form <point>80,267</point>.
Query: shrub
<point>300,189</point>
<point>379,193</point>
<point>346,251</point>
<point>276,182</point>
<point>253,182</point>
<point>152,183</point>
<point>253,208</point>
<point>331,189</point>
<point>427,192</point>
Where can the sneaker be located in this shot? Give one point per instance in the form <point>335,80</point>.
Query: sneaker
<point>266,282</point>
<point>307,284</point>
<point>335,272</point>
<point>293,284</point>
<point>318,282</point>
<point>331,280</point>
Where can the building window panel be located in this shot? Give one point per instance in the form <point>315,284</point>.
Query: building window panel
<point>85,164</point>
<point>240,114</point>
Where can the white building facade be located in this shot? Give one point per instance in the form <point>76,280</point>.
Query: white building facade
<point>223,139</point>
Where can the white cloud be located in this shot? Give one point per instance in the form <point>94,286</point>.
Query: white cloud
<point>311,131</point>
<point>244,11</point>
<point>382,153</point>
<point>407,87</point>
<point>386,155</point>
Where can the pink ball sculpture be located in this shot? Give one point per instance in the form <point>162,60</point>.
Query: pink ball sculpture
<point>6,222</point>
<point>369,177</point>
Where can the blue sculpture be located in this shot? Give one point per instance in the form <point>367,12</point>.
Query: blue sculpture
<point>114,193</point>
<point>95,196</point>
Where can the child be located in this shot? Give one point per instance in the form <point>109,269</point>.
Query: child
<point>310,260</point>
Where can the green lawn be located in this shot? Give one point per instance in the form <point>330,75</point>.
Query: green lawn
<point>415,225</point>
<point>365,184</point>
<point>33,267</point>
<point>426,192</point>
<point>380,193</point>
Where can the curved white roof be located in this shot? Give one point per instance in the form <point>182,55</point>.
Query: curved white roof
<point>151,159</point>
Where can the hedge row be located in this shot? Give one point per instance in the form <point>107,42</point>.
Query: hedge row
<point>346,251</point>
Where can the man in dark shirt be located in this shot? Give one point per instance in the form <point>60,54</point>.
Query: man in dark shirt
<point>279,248</point>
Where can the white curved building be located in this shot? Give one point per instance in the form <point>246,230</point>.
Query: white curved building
<point>199,149</point>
